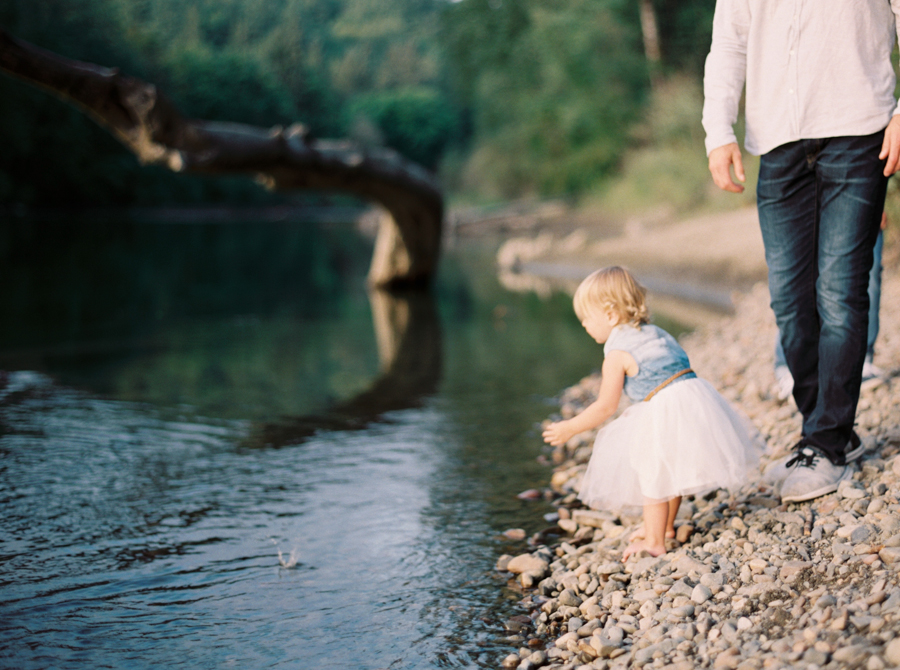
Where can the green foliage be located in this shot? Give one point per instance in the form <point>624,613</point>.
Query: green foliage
<point>262,62</point>
<point>505,97</point>
<point>551,86</point>
<point>665,168</point>
<point>417,122</point>
<point>227,85</point>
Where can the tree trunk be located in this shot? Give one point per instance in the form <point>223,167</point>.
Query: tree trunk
<point>150,126</point>
<point>652,51</point>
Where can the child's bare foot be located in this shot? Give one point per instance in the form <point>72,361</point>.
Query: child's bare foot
<point>641,534</point>
<point>643,545</point>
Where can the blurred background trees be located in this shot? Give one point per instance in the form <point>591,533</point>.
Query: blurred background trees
<point>503,98</point>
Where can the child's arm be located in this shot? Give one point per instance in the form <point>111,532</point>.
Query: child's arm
<point>615,365</point>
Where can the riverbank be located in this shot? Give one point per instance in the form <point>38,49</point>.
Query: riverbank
<point>691,267</point>
<point>751,583</point>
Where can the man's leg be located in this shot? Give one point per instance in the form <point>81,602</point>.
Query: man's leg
<point>786,198</point>
<point>874,295</point>
<point>851,190</point>
<point>795,185</point>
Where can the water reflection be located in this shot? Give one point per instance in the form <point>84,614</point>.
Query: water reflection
<point>137,528</point>
<point>408,336</point>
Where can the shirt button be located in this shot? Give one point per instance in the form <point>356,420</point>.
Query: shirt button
<point>791,91</point>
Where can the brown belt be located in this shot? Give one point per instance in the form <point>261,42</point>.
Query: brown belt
<point>666,383</point>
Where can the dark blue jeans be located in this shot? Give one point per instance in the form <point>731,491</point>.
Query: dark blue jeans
<point>820,204</point>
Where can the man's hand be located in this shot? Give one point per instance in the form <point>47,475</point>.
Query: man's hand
<point>722,158</point>
<point>890,148</point>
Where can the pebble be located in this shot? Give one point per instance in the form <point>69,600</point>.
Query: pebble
<point>748,583</point>
<point>701,594</point>
<point>526,563</point>
<point>892,652</point>
<point>514,534</point>
<point>531,494</point>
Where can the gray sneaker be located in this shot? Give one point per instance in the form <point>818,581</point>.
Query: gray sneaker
<point>777,471</point>
<point>811,475</point>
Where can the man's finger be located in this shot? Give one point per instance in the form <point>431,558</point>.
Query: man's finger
<point>739,167</point>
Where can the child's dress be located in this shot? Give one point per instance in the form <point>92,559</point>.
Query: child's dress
<point>685,440</point>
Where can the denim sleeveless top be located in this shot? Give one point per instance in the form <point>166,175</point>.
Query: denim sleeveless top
<point>658,355</point>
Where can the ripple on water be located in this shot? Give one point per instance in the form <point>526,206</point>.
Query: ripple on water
<point>134,537</point>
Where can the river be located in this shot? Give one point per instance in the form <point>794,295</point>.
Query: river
<point>217,450</point>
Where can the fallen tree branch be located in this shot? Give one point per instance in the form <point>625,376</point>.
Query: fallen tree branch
<point>151,127</point>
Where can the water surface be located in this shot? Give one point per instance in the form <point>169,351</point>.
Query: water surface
<point>217,450</point>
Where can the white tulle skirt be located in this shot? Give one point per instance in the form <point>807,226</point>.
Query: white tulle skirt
<point>686,440</point>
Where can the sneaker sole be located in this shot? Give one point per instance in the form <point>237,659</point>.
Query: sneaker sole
<point>829,488</point>
<point>851,456</point>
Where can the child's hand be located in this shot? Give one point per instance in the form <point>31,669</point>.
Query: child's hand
<point>557,434</point>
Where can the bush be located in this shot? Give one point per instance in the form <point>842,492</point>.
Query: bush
<point>418,122</point>
<point>227,86</point>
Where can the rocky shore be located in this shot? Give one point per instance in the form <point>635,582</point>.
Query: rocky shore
<point>749,583</point>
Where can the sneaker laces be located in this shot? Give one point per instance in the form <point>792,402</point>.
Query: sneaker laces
<point>805,457</point>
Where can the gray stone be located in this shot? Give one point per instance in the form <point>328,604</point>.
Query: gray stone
<point>574,624</point>
<point>826,600</point>
<point>890,555</point>
<point>892,603</point>
<point>645,655</point>
<point>701,594</point>
<point>644,565</point>
<point>680,588</point>
<point>511,661</point>
<point>850,655</point>
<point>682,611</point>
<point>861,534</point>
<point>604,647</point>
<point>610,569</point>
<point>684,564</point>
<point>815,656</point>
<point>539,657</point>
<point>713,580</point>
<point>592,518</point>
<point>645,595</point>
<point>791,569</point>
<point>568,525</point>
<point>527,563</point>
<point>892,652</point>
<point>729,631</point>
<point>568,598</point>
<point>893,541</point>
<point>850,490</point>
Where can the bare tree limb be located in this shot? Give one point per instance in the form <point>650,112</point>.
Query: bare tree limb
<point>650,32</point>
<point>150,126</point>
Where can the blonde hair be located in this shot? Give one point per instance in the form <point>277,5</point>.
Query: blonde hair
<point>613,289</point>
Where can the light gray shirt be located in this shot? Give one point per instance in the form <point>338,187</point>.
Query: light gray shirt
<point>813,69</point>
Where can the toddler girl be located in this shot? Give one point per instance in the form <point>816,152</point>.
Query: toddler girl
<point>681,438</point>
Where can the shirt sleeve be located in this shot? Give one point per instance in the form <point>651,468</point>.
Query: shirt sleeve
<point>726,71</point>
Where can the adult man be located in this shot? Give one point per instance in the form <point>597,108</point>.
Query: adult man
<point>821,114</point>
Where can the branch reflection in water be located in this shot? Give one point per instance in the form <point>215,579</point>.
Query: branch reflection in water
<point>408,337</point>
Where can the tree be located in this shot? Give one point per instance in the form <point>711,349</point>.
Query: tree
<point>552,87</point>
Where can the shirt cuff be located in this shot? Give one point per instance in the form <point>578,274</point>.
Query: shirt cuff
<point>719,139</point>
